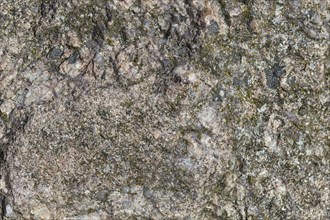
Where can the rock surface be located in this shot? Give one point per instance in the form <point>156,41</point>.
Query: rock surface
<point>164,109</point>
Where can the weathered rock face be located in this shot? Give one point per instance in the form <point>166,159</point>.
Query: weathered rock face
<point>164,109</point>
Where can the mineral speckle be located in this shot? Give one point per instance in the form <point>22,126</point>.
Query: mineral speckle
<point>164,109</point>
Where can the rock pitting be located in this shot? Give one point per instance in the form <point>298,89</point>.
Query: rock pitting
<point>164,109</point>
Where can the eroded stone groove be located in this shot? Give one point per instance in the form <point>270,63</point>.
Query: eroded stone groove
<point>149,109</point>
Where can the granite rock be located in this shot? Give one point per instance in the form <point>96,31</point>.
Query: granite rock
<point>164,109</point>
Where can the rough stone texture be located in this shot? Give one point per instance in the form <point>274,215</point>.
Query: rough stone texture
<point>164,109</point>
